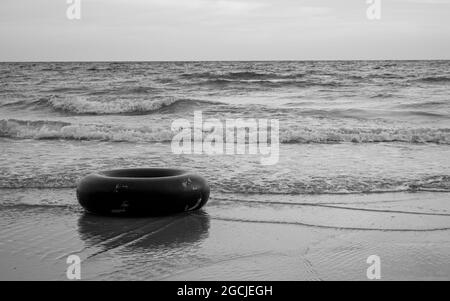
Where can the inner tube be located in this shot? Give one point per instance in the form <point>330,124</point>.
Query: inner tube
<point>142,191</point>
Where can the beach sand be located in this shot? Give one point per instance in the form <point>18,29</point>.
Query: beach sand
<point>326,237</point>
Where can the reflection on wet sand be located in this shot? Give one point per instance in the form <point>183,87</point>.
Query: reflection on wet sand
<point>140,234</point>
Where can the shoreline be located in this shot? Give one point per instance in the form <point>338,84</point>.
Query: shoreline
<point>36,240</point>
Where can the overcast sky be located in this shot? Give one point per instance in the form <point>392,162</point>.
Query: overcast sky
<point>38,30</point>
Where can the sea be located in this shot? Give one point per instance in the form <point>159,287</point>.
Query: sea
<point>346,129</point>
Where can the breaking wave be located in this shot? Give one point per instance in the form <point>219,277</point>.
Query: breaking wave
<point>24,129</point>
<point>80,105</point>
<point>365,135</point>
<point>20,129</point>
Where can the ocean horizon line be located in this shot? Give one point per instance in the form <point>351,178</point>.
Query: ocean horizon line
<point>231,61</point>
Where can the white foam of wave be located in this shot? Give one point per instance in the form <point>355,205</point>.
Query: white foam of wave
<point>61,130</point>
<point>84,105</point>
<point>22,129</point>
<point>364,135</point>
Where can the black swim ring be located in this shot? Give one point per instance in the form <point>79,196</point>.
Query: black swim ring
<point>142,191</point>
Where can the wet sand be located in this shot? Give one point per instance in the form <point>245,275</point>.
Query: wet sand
<point>235,237</point>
